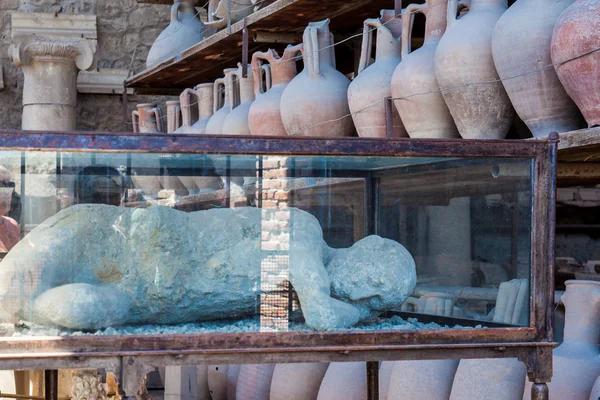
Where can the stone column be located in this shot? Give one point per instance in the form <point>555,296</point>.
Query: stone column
<point>51,49</point>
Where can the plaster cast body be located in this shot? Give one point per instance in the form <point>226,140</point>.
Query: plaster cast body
<point>159,265</point>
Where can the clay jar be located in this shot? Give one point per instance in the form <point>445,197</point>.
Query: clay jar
<point>521,50</point>
<point>264,117</point>
<point>236,122</point>
<point>464,57</point>
<point>184,31</point>
<point>315,102</point>
<point>173,116</point>
<point>254,382</point>
<point>423,115</point>
<point>576,362</point>
<point>217,12</point>
<point>304,384</point>
<point>344,381</point>
<point>205,98</point>
<point>217,381</point>
<point>577,32</point>
<point>368,91</point>
<point>146,119</point>
<point>224,95</point>
<point>423,379</point>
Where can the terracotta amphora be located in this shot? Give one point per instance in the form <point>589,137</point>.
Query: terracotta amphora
<point>304,385</point>
<point>385,373</point>
<point>414,85</point>
<point>236,122</point>
<point>173,116</point>
<point>465,71</point>
<point>218,12</point>
<point>254,382</point>
<point>344,381</point>
<point>184,31</point>
<point>217,381</point>
<point>224,95</point>
<point>233,372</point>
<point>265,113</point>
<point>576,362</point>
<point>146,119</point>
<point>204,99</point>
<point>315,102</point>
<point>577,33</point>
<point>368,91</point>
<point>521,50</point>
<point>422,379</point>
<point>490,379</point>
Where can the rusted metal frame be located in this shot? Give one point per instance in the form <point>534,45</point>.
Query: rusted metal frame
<point>252,145</point>
<point>372,380</point>
<point>245,49</point>
<point>265,342</point>
<point>389,121</point>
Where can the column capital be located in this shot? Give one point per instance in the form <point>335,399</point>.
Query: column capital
<point>51,37</point>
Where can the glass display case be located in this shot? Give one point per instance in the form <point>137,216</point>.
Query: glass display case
<point>238,249</point>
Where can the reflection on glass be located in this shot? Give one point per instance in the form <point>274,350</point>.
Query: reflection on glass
<point>177,243</point>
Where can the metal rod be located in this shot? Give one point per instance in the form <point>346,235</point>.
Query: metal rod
<point>389,123</point>
<point>125,108</point>
<point>51,384</point>
<point>372,380</point>
<point>229,17</point>
<point>245,49</point>
<point>398,8</point>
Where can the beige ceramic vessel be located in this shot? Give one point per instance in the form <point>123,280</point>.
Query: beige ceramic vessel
<point>265,113</point>
<point>576,362</point>
<point>204,97</point>
<point>173,116</point>
<point>368,91</point>
<point>224,94</point>
<point>304,385</point>
<point>465,71</point>
<point>423,379</point>
<point>521,49</point>
<point>236,122</point>
<point>184,31</point>
<point>217,381</point>
<point>414,85</point>
<point>344,381</point>
<point>254,381</point>
<point>218,12</point>
<point>577,32</point>
<point>315,102</point>
<point>146,119</point>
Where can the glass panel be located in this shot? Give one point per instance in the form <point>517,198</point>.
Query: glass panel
<point>109,243</point>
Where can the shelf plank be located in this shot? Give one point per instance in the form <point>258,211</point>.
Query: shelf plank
<point>205,61</point>
<point>581,146</point>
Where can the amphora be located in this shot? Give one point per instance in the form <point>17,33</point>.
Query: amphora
<point>304,385</point>
<point>184,31</point>
<point>576,34</point>
<point>254,381</point>
<point>315,102</point>
<point>264,117</point>
<point>368,91</point>
<point>344,381</point>
<point>576,362</point>
<point>521,50</point>
<point>236,122</point>
<point>204,97</point>
<point>224,95</point>
<point>218,12</point>
<point>146,119</point>
<point>414,84</point>
<point>465,71</point>
<point>173,115</point>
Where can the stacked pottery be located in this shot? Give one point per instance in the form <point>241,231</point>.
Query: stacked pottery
<point>521,49</point>
<point>414,85</point>
<point>307,378</point>
<point>315,102</point>
<point>204,98</point>
<point>236,122</point>
<point>217,381</point>
<point>464,56</point>
<point>264,117</point>
<point>254,382</point>
<point>173,116</point>
<point>233,372</point>
<point>224,95</point>
<point>368,90</point>
<point>220,10</point>
<point>577,33</point>
<point>576,362</point>
<point>344,381</point>
<point>184,31</point>
<point>146,119</point>
<point>423,379</point>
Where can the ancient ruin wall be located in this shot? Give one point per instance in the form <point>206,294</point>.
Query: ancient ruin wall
<point>123,26</point>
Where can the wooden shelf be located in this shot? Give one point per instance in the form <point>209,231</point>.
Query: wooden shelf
<point>580,146</point>
<point>205,61</point>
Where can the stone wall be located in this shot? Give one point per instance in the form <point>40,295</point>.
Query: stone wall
<point>123,26</point>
